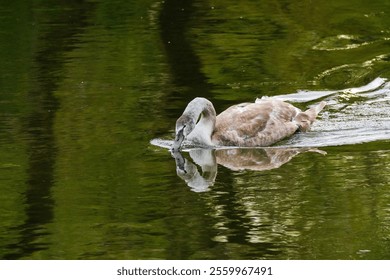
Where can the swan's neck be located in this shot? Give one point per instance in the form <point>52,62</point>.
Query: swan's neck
<point>203,110</point>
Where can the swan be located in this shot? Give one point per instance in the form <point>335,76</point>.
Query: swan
<point>258,124</point>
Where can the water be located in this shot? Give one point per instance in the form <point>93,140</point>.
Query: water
<point>86,85</point>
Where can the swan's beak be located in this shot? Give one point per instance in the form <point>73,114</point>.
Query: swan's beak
<point>178,140</point>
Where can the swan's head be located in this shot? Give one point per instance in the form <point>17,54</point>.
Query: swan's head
<point>184,126</point>
<point>198,119</point>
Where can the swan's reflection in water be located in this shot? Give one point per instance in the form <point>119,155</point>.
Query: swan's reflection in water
<point>259,159</point>
<point>188,171</point>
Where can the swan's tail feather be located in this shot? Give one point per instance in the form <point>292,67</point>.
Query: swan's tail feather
<point>318,108</point>
<point>306,118</point>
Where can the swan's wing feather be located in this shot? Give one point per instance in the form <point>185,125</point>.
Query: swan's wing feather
<point>255,124</point>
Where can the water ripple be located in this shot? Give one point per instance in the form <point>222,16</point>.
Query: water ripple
<point>342,42</point>
<point>349,73</point>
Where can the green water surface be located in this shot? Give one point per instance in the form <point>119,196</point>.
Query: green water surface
<point>86,85</point>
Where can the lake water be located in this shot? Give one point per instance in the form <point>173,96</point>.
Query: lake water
<point>89,95</point>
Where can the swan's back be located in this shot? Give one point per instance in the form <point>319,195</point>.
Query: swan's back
<point>258,124</point>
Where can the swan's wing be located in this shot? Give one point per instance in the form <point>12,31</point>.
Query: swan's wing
<point>255,124</point>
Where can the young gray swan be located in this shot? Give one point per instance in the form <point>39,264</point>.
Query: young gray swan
<point>258,124</point>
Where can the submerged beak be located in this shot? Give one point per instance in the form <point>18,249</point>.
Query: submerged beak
<point>178,140</point>
<point>180,162</point>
